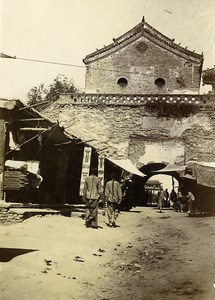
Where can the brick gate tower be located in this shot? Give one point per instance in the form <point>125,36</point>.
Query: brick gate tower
<point>143,61</point>
<point>142,101</point>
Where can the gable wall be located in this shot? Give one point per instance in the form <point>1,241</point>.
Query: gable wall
<point>150,61</point>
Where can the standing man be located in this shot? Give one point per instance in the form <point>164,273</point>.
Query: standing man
<point>113,196</point>
<point>173,199</point>
<point>191,202</point>
<point>25,178</point>
<point>161,198</point>
<point>91,193</point>
<point>166,194</point>
<point>128,194</point>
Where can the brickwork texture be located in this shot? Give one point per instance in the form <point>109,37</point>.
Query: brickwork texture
<point>141,63</point>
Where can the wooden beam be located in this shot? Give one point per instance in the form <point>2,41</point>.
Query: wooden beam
<point>30,119</point>
<point>34,129</point>
<point>33,105</point>
<point>65,143</point>
<point>82,142</point>
<point>99,150</point>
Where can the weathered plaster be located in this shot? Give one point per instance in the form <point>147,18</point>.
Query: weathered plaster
<point>163,151</point>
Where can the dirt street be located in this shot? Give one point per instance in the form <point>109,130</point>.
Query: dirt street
<point>150,256</point>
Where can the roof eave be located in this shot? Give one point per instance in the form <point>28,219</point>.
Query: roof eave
<point>146,30</point>
<point>187,56</point>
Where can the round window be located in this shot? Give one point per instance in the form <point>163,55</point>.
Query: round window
<point>160,82</point>
<point>123,82</point>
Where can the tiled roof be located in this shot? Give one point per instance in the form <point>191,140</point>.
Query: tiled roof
<point>149,32</point>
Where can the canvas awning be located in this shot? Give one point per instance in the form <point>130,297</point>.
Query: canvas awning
<point>201,163</point>
<point>203,172</point>
<point>188,176</point>
<point>171,168</point>
<point>127,165</point>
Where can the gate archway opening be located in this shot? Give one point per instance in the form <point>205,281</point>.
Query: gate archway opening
<point>153,185</point>
<point>140,195</point>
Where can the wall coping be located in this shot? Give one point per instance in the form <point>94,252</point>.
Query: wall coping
<point>94,99</point>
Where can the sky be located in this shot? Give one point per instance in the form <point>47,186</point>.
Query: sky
<point>65,31</point>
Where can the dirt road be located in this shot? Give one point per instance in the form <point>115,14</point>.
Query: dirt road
<point>150,256</point>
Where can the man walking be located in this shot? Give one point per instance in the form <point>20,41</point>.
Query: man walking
<point>91,193</point>
<point>113,196</point>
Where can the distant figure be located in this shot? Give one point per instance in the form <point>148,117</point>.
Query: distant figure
<point>25,187</point>
<point>161,196</point>
<point>191,202</point>
<point>186,199</point>
<point>91,193</point>
<point>35,181</point>
<point>128,194</point>
<point>149,194</point>
<point>113,196</point>
<point>173,199</point>
<point>166,198</point>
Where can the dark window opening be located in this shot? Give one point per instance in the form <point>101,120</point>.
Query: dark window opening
<point>123,82</point>
<point>160,82</point>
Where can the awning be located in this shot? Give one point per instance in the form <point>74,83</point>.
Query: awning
<point>171,168</point>
<point>127,165</point>
<point>188,176</point>
<point>204,172</point>
<point>201,163</point>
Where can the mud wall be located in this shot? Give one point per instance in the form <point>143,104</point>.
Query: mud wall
<point>176,131</point>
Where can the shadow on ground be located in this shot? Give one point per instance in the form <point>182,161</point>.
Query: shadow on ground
<point>6,254</point>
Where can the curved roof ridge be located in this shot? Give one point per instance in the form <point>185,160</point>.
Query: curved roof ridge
<point>116,41</point>
<point>148,29</point>
<point>160,36</point>
<point>129,33</point>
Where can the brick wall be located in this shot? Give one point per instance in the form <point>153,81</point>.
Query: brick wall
<point>141,63</point>
<point>9,217</point>
<point>129,130</point>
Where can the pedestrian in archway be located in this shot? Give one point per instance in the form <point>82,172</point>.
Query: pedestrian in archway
<point>161,196</point>
<point>166,198</point>
<point>173,199</point>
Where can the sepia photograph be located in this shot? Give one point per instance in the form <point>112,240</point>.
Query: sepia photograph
<point>107,149</point>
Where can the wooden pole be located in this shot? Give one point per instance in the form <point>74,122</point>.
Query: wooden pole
<point>2,155</point>
<point>30,119</point>
<point>34,129</point>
